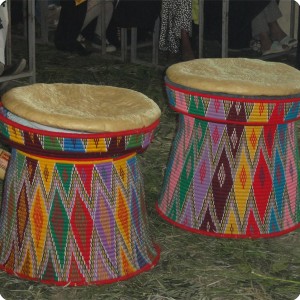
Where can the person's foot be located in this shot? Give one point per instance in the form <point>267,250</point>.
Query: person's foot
<point>289,41</point>
<point>265,41</point>
<point>277,34</point>
<point>187,52</point>
<point>83,47</point>
<point>268,46</point>
<point>14,69</point>
<point>97,43</point>
<point>188,55</point>
<point>275,47</point>
<point>255,46</point>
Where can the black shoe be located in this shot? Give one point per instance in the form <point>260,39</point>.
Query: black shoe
<point>83,49</point>
<point>83,46</point>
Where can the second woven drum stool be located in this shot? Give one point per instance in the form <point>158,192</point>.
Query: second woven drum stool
<point>233,169</point>
<point>73,209</point>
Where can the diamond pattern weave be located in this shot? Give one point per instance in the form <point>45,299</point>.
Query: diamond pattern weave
<point>233,167</point>
<point>82,223</point>
<point>73,209</point>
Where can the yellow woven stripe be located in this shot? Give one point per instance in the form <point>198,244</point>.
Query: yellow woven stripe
<point>231,227</point>
<point>15,135</point>
<point>259,113</point>
<point>96,144</point>
<point>38,223</point>
<point>242,184</point>
<point>253,134</point>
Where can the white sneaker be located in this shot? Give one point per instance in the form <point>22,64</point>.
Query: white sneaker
<point>97,43</point>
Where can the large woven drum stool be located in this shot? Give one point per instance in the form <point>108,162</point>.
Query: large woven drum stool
<point>233,168</point>
<point>73,209</point>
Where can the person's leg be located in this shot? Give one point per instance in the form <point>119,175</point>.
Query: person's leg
<point>259,25</point>
<point>70,22</point>
<point>184,19</point>
<point>94,12</point>
<point>176,27</point>
<point>264,28</point>
<point>109,7</point>
<point>186,47</point>
<point>277,33</point>
<point>265,40</point>
<point>261,31</point>
<point>4,69</point>
<point>3,34</point>
<point>272,13</point>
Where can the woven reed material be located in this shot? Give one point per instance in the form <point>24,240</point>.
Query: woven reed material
<point>67,144</point>
<point>233,167</point>
<point>74,222</point>
<point>225,108</point>
<point>4,159</point>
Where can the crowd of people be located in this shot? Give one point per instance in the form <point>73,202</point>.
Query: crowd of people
<point>80,25</point>
<point>251,23</point>
<point>80,29</point>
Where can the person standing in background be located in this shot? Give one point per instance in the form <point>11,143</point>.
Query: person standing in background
<point>176,28</point>
<point>266,29</point>
<point>79,26</point>
<point>3,34</point>
<point>4,69</point>
<point>94,13</point>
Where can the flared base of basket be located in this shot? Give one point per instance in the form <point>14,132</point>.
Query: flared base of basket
<point>146,268</point>
<point>225,235</point>
<point>67,222</point>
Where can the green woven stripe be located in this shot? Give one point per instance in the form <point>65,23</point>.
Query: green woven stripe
<point>59,226</point>
<point>65,173</point>
<point>52,143</point>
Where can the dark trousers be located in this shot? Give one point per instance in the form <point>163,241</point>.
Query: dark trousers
<point>70,23</point>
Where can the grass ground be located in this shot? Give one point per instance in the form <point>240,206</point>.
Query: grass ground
<point>191,266</point>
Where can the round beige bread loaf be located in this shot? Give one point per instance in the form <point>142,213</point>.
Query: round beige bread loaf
<point>82,107</point>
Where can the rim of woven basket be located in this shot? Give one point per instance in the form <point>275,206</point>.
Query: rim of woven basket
<point>224,121</point>
<point>72,155</point>
<point>146,268</point>
<point>79,160</point>
<point>79,135</point>
<point>230,97</point>
<point>223,235</point>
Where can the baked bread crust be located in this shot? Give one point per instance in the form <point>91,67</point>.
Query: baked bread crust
<point>238,76</point>
<point>82,107</point>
